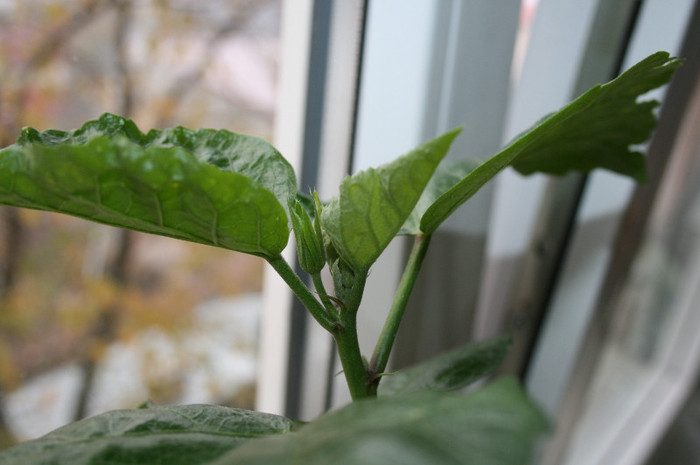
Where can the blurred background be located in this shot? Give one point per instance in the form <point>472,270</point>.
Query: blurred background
<point>596,278</point>
<point>95,318</point>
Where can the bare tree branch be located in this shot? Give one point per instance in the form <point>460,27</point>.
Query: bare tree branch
<point>45,51</point>
<point>105,330</point>
<point>184,84</point>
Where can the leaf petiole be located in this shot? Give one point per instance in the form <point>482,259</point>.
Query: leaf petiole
<point>326,299</point>
<point>380,357</point>
<point>329,322</point>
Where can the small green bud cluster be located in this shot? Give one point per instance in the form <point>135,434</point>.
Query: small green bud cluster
<point>312,257</point>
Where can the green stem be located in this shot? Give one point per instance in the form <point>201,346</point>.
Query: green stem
<point>351,359</point>
<point>380,357</point>
<point>317,310</point>
<point>343,326</point>
<point>354,368</point>
<point>323,295</point>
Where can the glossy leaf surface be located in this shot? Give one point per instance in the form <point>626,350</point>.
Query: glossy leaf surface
<point>374,204</point>
<point>449,371</point>
<point>185,435</point>
<point>496,425</point>
<point>212,187</point>
<point>594,131</point>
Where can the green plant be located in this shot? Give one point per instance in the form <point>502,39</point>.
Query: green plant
<point>237,192</point>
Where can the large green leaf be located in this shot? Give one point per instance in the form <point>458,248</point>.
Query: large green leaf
<point>594,131</point>
<point>212,187</point>
<point>496,425</point>
<point>374,204</point>
<point>449,371</point>
<point>250,156</point>
<point>186,435</point>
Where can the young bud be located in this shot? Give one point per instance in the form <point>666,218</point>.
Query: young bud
<point>309,245</point>
<point>318,208</point>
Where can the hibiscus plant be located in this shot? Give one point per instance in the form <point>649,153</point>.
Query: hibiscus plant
<point>239,193</point>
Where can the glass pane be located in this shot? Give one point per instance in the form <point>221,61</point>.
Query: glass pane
<point>650,360</point>
<point>95,318</point>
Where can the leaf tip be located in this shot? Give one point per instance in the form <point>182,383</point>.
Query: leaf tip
<point>452,134</point>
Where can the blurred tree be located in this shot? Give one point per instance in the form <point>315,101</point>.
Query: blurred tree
<point>13,103</point>
<point>64,296</point>
<point>105,329</point>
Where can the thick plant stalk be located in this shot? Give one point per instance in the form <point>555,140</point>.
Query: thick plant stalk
<point>356,374</point>
<point>351,359</point>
